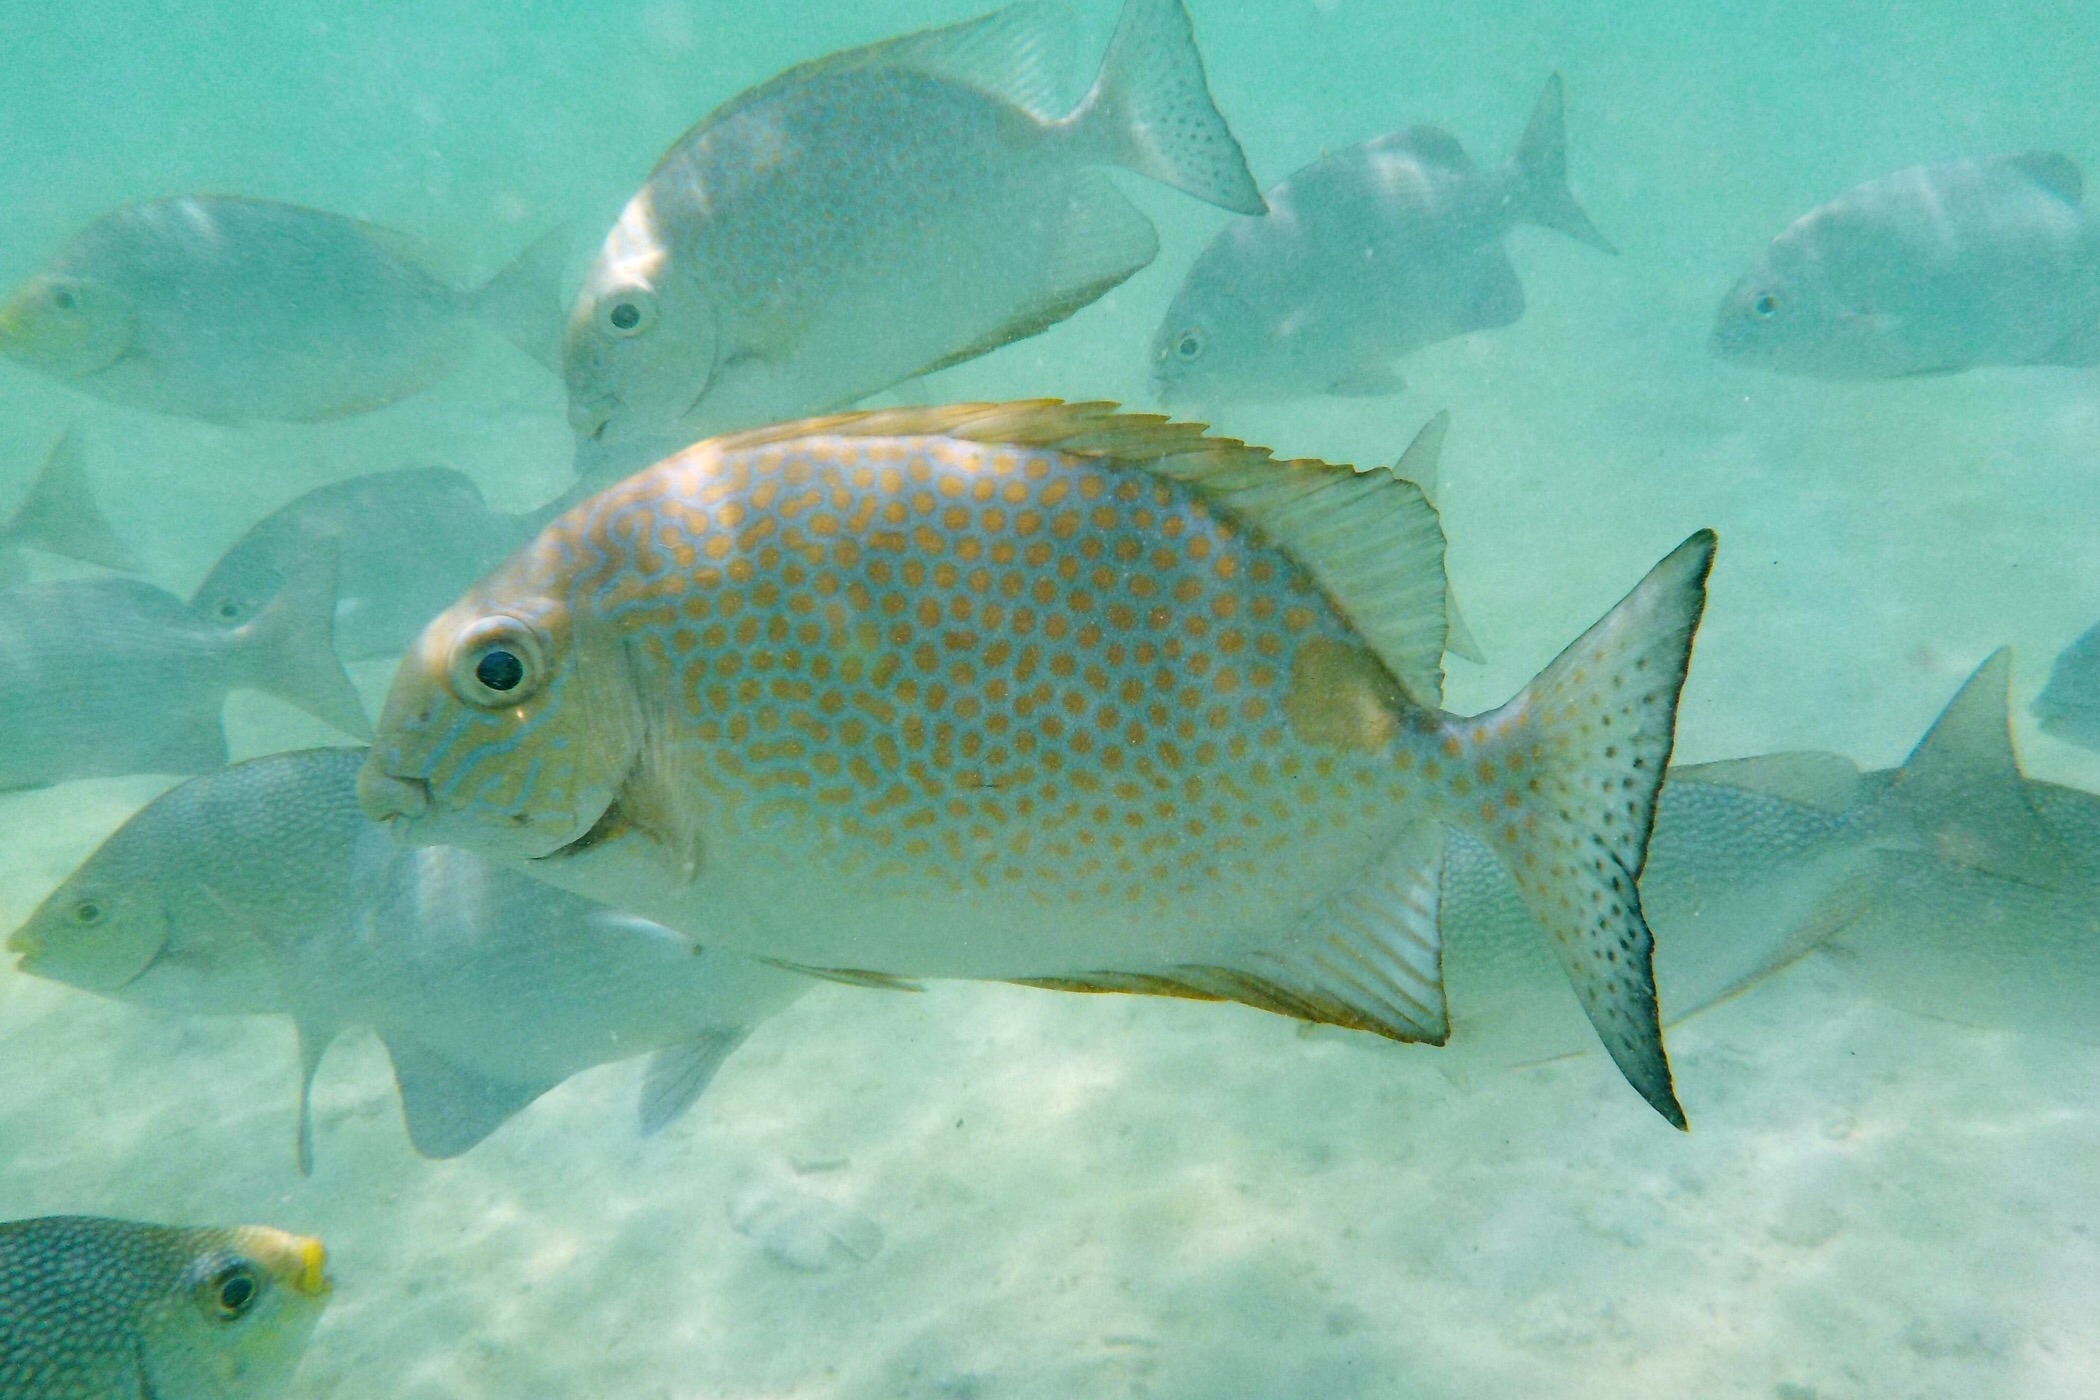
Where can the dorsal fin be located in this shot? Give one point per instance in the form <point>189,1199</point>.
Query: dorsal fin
<point>1371,539</point>
<point>2058,174</point>
<point>1962,791</point>
<point>1019,54</point>
<point>1432,145</point>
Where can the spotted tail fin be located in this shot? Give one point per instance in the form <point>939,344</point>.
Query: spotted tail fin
<point>1583,749</point>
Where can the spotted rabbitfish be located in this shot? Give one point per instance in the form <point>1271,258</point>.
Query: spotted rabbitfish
<point>96,1309</point>
<point>1041,693</point>
<point>883,212</point>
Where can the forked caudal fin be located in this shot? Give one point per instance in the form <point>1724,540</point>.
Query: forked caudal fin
<point>1583,750</point>
<point>60,515</point>
<point>288,650</point>
<point>1539,170</point>
<point>1150,109</point>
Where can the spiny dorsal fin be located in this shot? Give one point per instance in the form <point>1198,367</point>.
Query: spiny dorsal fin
<point>1962,791</point>
<point>1020,54</point>
<point>1827,782</point>
<point>2058,174</point>
<point>1371,539</point>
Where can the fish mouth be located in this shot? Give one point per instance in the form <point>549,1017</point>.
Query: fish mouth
<point>393,801</point>
<point>25,947</point>
<point>589,419</point>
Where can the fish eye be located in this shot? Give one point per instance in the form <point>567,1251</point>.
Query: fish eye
<point>627,313</point>
<point>234,1290</point>
<point>1188,345</point>
<point>63,299</point>
<point>229,610</point>
<point>1765,307</point>
<point>497,662</point>
<point>88,913</point>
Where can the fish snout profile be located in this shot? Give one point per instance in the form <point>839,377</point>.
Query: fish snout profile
<point>390,800</point>
<point>25,946</point>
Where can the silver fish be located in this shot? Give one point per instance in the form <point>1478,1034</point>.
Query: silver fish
<point>261,889</point>
<point>1931,270</point>
<point>405,543</point>
<point>2069,705</point>
<point>883,212</point>
<point>232,310</point>
<point>1366,255</point>
<point>59,516</point>
<point>117,1310</point>
<point>103,677</point>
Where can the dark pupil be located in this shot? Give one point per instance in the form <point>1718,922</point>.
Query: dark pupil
<point>1188,347</point>
<point>229,609</point>
<point>236,1292</point>
<point>499,670</point>
<point>89,913</point>
<point>626,316</point>
<point>1767,304</point>
<point>63,299</point>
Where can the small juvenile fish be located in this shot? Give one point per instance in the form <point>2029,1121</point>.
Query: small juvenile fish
<point>115,1310</point>
<point>261,889</point>
<point>406,544</point>
<point>1040,693</point>
<point>2069,705</point>
<point>232,310</point>
<point>1366,255</point>
<point>59,516</point>
<point>881,213</point>
<point>103,677</point>
<point>1931,270</point>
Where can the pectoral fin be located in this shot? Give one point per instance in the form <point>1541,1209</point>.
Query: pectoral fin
<point>680,1075</point>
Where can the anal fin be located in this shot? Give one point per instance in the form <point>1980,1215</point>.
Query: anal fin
<point>680,1075</point>
<point>1369,958</point>
<point>450,1109</point>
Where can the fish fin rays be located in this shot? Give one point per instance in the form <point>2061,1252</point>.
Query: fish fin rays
<point>1590,739</point>
<point>59,515</point>
<point>678,1076</point>
<point>1021,53</point>
<point>1371,539</point>
<point>1150,110</point>
<point>849,976</point>
<point>450,1109</point>
<point>1369,957</point>
<point>1539,170</point>
<point>2053,171</point>
<point>1962,795</point>
<point>1422,463</point>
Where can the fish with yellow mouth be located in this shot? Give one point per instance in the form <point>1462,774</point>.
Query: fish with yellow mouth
<point>1042,693</point>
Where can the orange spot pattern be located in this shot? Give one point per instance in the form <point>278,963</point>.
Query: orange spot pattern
<point>1006,668</point>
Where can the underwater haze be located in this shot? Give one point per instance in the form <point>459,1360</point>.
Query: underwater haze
<point>1877,952</point>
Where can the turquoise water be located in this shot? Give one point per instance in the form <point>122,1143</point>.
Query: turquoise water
<point>1116,1197</point>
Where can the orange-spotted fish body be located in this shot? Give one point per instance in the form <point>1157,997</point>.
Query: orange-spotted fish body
<point>1032,692</point>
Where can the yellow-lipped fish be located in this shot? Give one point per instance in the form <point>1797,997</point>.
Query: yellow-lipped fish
<point>1041,693</point>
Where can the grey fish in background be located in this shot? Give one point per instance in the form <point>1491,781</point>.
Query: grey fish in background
<point>103,677</point>
<point>59,516</point>
<point>2069,705</point>
<point>1930,270</point>
<point>1952,887</point>
<point>487,987</point>
<point>116,1310</point>
<point>232,310</point>
<point>1366,255</point>
<point>881,213</point>
<point>406,544</point>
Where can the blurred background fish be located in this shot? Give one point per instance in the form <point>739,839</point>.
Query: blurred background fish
<point>1366,255</point>
<point>96,1309</point>
<point>229,310</point>
<point>59,516</point>
<point>881,213</point>
<point>262,889</point>
<point>100,677</point>
<point>2069,705</point>
<point>1931,270</point>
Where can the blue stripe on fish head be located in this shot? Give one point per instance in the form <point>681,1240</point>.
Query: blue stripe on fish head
<point>519,728</point>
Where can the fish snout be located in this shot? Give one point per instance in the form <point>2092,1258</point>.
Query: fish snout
<point>389,799</point>
<point>25,946</point>
<point>589,418</point>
